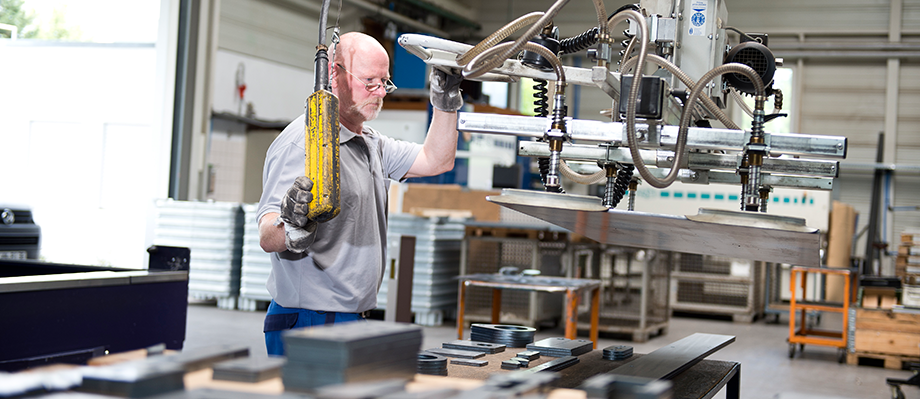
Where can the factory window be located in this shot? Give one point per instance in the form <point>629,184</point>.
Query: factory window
<point>497,92</point>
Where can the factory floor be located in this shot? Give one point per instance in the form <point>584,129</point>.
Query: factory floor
<point>767,372</point>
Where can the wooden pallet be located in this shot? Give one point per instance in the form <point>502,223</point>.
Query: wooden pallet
<point>889,361</point>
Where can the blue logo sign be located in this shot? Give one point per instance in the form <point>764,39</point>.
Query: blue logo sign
<point>698,19</point>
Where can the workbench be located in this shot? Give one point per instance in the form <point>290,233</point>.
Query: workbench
<point>574,288</point>
<point>702,380</point>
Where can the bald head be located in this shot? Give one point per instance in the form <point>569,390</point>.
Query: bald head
<point>354,44</point>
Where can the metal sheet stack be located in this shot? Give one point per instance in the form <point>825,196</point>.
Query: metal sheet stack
<point>465,344</point>
<point>213,231</point>
<point>510,336</point>
<point>256,263</point>
<point>618,352</point>
<point>350,352</point>
<point>437,262</point>
<point>431,364</point>
<point>561,347</point>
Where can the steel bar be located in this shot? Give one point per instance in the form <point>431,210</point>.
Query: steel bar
<point>695,160</point>
<point>671,360</point>
<point>614,133</point>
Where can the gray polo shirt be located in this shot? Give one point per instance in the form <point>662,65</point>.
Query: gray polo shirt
<point>343,268</point>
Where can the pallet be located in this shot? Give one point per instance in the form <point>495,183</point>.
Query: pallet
<point>892,362</point>
<point>745,317</point>
<point>223,302</point>
<point>252,304</point>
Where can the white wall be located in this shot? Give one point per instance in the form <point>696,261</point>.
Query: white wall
<point>277,91</point>
<point>81,127</point>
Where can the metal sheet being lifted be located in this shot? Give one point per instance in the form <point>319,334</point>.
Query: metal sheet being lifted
<point>743,235</point>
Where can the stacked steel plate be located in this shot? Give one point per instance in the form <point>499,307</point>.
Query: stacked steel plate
<point>467,345</point>
<point>350,352</point>
<point>249,369</point>
<point>431,364</point>
<point>618,352</point>
<point>510,336</point>
<point>561,347</point>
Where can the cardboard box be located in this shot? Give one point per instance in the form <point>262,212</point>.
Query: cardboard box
<point>839,246</point>
<point>425,199</point>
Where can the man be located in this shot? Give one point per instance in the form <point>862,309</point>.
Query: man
<point>330,272</point>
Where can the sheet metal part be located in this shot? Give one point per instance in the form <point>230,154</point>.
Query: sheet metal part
<point>361,390</point>
<point>249,369</point>
<point>458,353</point>
<point>200,358</point>
<point>561,346</point>
<point>673,359</point>
<point>134,380</point>
<point>553,365</point>
<point>745,235</point>
<point>465,344</point>
<point>529,355</point>
<point>511,385</point>
<point>511,364</point>
<point>509,335</point>
<point>469,362</point>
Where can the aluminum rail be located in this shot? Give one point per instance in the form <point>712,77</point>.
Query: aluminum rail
<point>613,133</point>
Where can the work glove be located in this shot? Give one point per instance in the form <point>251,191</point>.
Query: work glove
<point>445,90</point>
<point>294,208</point>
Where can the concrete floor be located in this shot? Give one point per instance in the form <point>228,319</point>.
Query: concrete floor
<point>760,347</point>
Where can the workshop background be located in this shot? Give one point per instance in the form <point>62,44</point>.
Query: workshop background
<point>179,99</point>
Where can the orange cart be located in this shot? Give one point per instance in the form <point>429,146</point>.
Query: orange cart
<point>799,308</point>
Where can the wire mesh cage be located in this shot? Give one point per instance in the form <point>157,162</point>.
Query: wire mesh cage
<point>634,288</point>
<point>487,252</point>
<point>718,285</point>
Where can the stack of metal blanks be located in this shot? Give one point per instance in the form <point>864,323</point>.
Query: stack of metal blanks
<point>437,262</point>
<point>510,336</point>
<point>256,263</point>
<point>529,355</point>
<point>618,352</point>
<point>459,353</point>
<point>249,369</point>
<point>560,346</point>
<point>350,352</point>
<point>431,364</point>
<point>213,231</point>
<point>512,364</point>
<point>134,379</point>
<point>467,345</point>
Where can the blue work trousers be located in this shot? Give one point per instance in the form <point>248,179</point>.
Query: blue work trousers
<point>279,318</point>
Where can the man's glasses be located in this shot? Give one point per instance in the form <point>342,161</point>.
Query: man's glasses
<point>387,84</point>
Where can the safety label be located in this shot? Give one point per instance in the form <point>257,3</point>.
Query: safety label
<point>698,18</point>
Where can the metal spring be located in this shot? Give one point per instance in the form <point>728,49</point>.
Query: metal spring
<point>543,163</point>
<point>542,97</point>
<point>578,43</point>
<point>616,188</point>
